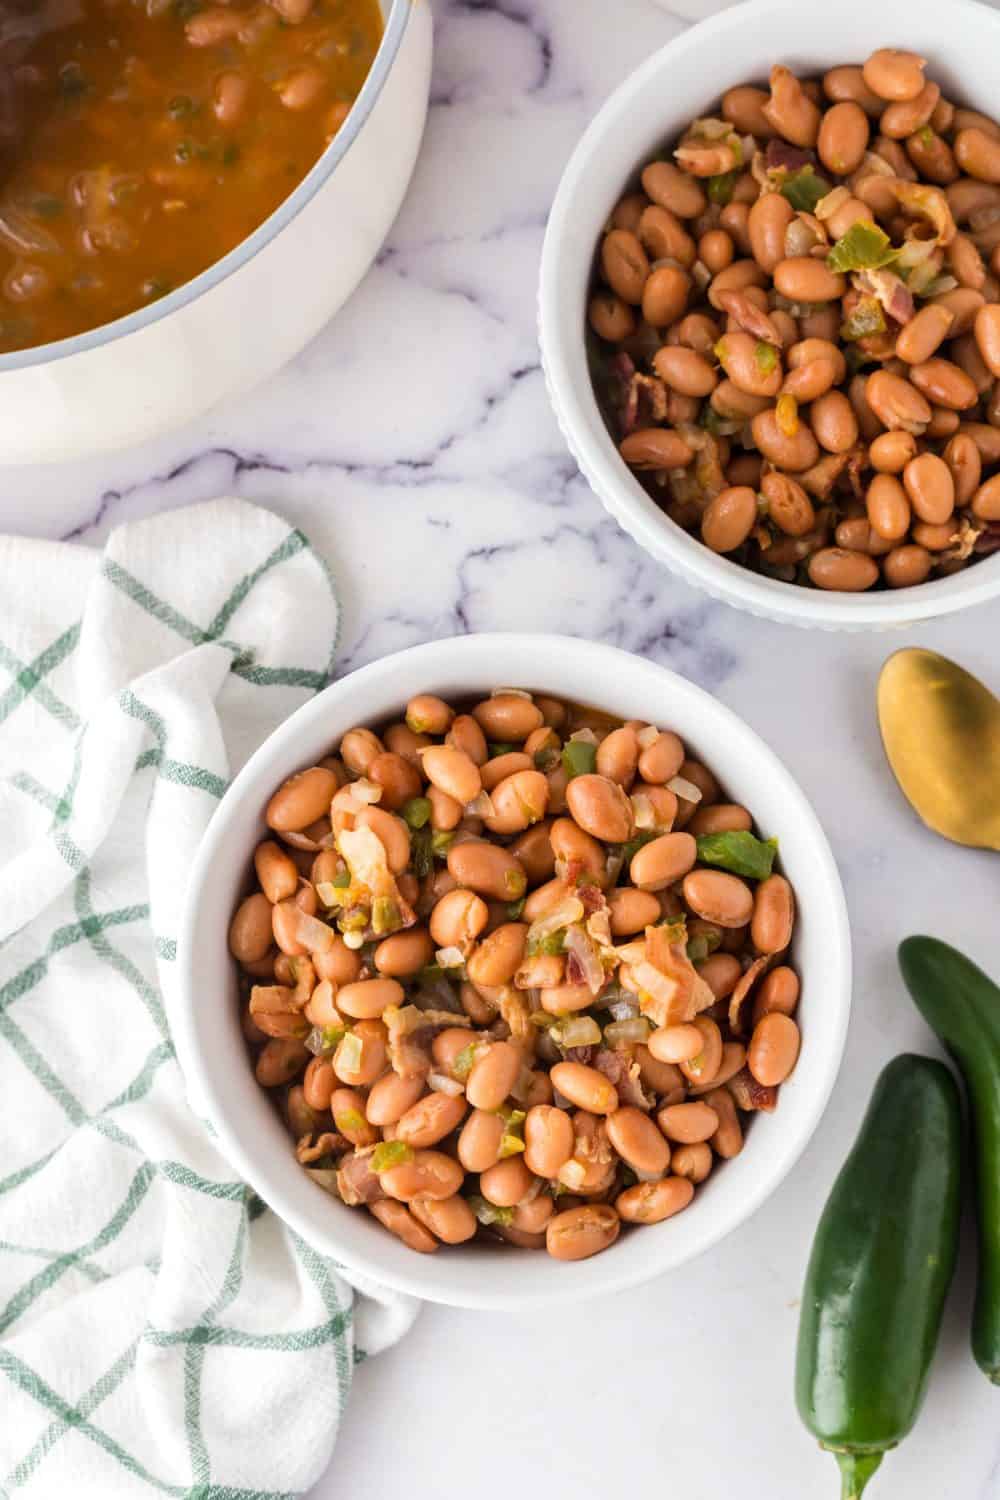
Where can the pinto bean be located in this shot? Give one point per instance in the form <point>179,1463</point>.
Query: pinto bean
<point>665,295</point>
<point>944,383</point>
<point>585,1087</point>
<point>390,1097</point>
<point>601,808</point>
<point>727,1141</point>
<point>930,488</point>
<point>896,402</point>
<point>506,1183</point>
<point>774,1048</point>
<point>848,82</point>
<point>685,371</point>
<point>479,1142</point>
<point>401,1222</point>
<point>805,279</point>
<point>773,915</point>
<point>427,1174</point>
<point>664,237</point>
<point>845,572</point>
<point>978,154</point>
<point>904,567</point>
<point>790,110</point>
<point>458,919</point>
<point>729,518</point>
<point>655,448</point>
<point>892,73</point>
<point>693,1162</point>
<point>652,1202</point>
<point>789,453</point>
<point>488,869</point>
<point>431,1119</point>
<point>688,1123</point>
<point>577,1233</point>
<point>493,1075</point>
<point>496,960</point>
<point>302,800</point>
<point>450,1220</point>
<point>843,136</point>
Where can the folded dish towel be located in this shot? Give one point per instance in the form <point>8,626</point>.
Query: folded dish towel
<point>160,1331</point>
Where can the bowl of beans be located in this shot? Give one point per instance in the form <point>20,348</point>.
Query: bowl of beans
<point>770,310</point>
<point>189,190</point>
<point>514,968</point>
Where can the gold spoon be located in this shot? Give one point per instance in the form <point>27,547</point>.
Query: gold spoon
<point>941,731</point>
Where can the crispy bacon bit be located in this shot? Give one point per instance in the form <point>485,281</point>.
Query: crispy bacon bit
<point>821,478</point>
<point>310,1148</point>
<point>751,318</point>
<point>411,1032</point>
<point>623,1071</point>
<point>574,970</point>
<point>749,1094</point>
<point>644,404</point>
<point>857,462</point>
<point>985,541</point>
<point>925,202</point>
<point>889,289</point>
<point>780,154</point>
<point>670,988</point>
<point>742,992</point>
<point>578,1054</point>
<point>516,1012</point>
<point>356,1182</point>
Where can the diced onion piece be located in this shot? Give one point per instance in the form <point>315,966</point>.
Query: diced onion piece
<point>566,911</point>
<point>625,1033</point>
<point>573,1173</point>
<point>710,128</point>
<point>876,165</point>
<point>449,958</point>
<point>585,736</point>
<point>354,940</point>
<point>442,1084</point>
<point>643,811</point>
<point>940,284</point>
<point>622,1011</point>
<point>577,1031</point>
<point>647,736</point>
<point>701,274</point>
<point>312,933</point>
<point>681,787</point>
<point>351,1052</point>
<point>799,238</point>
<point>489,1213</point>
<point>365,791</point>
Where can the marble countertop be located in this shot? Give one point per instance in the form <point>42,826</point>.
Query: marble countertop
<point>413,442</point>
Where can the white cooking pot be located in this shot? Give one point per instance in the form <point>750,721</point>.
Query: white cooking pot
<point>251,311</point>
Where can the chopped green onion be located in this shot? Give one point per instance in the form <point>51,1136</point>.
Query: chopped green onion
<point>390,1154</point>
<point>500,747</point>
<point>576,1031</point>
<point>804,189</point>
<point>697,948</point>
<point>864,247</point>
<point>351,1052</point>
<point>865,317</point>
<point>765,357</point>
<point>720,187</point>
<point>515,909</point>
<point>512,1140</point>
<point>430,973</point>
<point>489,1213</point>
<point>417,811</point>
<point>738,851</point>
<point>349,1119</point>
<point>579,758</point>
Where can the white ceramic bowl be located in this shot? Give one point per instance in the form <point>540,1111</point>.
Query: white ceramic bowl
<point>648,111</point>
<point>214,1056</point>
<point>241,319</point>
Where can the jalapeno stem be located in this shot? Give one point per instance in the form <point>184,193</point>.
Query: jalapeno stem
<point>855,1471</point>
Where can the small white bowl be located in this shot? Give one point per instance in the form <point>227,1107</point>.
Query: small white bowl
<point>214,1055</point>
<point>642,117</point>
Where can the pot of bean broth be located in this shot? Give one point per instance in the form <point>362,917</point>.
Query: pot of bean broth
<point>165,167</point>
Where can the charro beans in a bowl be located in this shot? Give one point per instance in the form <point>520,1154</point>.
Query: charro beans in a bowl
<point>795,327</point>
<point>530,1004</point>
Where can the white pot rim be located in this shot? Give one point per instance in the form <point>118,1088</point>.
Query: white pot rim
<point>213,1054</point>
<point>561,311</point>
<point>43,354</point>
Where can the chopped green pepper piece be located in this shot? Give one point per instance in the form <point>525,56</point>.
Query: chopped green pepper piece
<point>390,1154</point>
<point>738,851</point>
<point>638,842</point>
<point>515,909</point>
<point>421,855</point>
<point>430,973</point>
<point>720,187</point>
<point>804,189</point>
<point>864,247</point>
<point>489,1213</point>
<point>386,916</point>
<point>697,948</point>
<point>416,811</point>
<point>765,357</point>
<point>579,757</point>
<point>441,842</point>
<point>341,879</point>
<point>500,747</point>
<point>332,1035</point>
<point>349,1119</point>
<point>462,1066</point>
<point>865,318</point>
<point>552,942</point>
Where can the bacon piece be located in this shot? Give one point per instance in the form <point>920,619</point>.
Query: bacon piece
<point>329,1143</point>
<point>356,1182</point>
<point>751,318</point>
<point>749,1094</point>
<point>779,153</point>
<point>621,1069</point>
<point>411,1032</point>
<point>742,992</point>
<point>670,988</point>
<point>889,289</point>
<point>821,478</point>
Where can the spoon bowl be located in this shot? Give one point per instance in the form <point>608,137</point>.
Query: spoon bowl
<point>941,731</point>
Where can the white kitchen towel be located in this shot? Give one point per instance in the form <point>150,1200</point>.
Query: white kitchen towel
<point>160,1331</point>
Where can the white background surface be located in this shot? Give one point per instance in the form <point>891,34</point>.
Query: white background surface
<point>414,444</point>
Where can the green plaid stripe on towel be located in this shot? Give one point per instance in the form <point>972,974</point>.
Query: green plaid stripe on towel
<point>160,1332</point>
